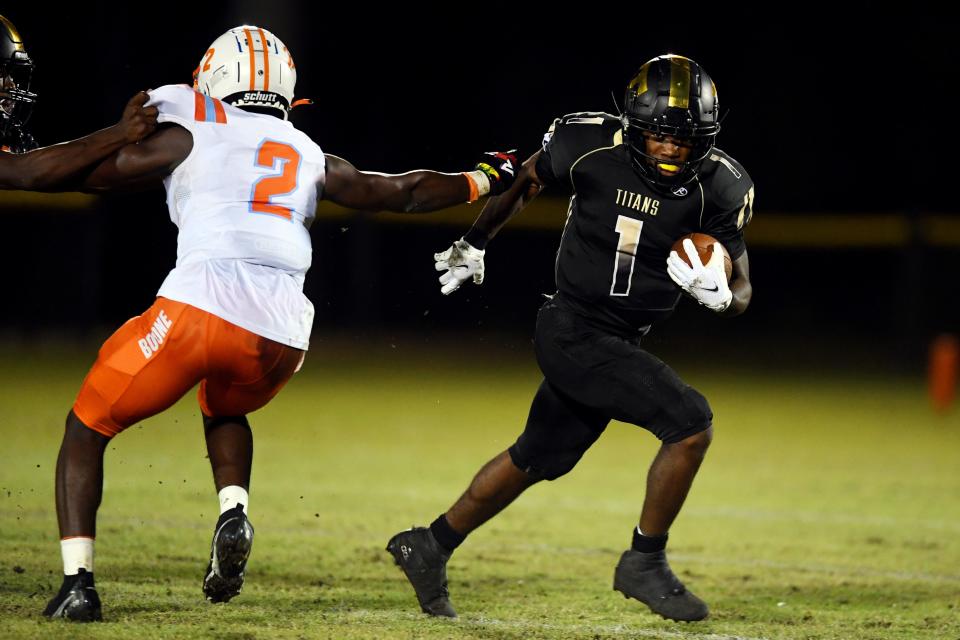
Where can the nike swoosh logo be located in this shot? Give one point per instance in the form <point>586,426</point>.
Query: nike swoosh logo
<point>714,290</point>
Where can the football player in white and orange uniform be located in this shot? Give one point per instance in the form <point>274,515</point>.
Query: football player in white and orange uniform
<point>242,187</point>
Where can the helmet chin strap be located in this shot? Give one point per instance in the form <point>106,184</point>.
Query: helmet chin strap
<point>616,105</point>
<point>648,166</point>
<point>649,169</point>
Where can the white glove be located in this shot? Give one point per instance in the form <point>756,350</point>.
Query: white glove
<point>706,283</point>
<point>461,261</point>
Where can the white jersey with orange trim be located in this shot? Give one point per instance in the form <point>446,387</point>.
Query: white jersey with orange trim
<point>243,200</point>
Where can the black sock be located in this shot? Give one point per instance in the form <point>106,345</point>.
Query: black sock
<point>69,581</point>
<point>648,544</point>
<point>445,534</point>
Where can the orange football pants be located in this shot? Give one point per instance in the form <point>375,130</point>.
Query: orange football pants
<point>155,358</point>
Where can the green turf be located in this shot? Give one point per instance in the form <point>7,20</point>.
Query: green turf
<point>827,508</point>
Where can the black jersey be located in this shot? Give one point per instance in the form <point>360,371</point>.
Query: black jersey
<point>611,264</point>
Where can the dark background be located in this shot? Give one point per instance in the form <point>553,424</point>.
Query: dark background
<point>845,111</point>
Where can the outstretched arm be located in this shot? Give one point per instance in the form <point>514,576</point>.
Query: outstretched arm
<point>416,191</point>
<point>464,259</point>
<point>56,168</point>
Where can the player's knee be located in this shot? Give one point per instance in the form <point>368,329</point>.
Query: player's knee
<point>688,418</point>
<point>523,461</point>
<point>559,463</point>
<point>73,422</point>
<point>696,445</point>
<point>77,431</point>
<point>545,465</point>
<point>210,422</point>
<point>697,413</point>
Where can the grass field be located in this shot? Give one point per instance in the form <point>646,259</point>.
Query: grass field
<point>829,507</point>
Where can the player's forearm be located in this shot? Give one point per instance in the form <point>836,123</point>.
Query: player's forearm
<point>55,168</point>
<point>413,192</point>
<point>429,191</point>
<point>499,210</point>
<point>416,191</point>
<point>742,291</point>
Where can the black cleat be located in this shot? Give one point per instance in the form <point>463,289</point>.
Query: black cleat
<point>647,577</point>
<point>77,600</point>
<point>424,562</point>
<point>229,551</point>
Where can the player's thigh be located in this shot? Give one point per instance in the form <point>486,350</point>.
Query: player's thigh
<point>615,376</point>
<point>143,368</point>
<point>576,357</point>
<point>559,431</point>
<point>246,372</point>
<point>649,393</point>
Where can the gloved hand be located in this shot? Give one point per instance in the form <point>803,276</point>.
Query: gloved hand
<point>501,168</point>
<point>705,283</point>
<point>461,261</point>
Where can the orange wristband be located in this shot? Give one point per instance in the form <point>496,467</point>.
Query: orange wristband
<point>474,188</point>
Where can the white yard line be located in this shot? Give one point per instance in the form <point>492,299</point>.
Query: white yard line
<point>482,622</point>
<point>608,629</point>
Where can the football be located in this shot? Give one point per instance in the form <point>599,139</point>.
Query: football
<point>704,244</point>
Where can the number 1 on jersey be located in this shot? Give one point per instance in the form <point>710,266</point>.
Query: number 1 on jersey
<point>629,231</point>
<point>269,186</point>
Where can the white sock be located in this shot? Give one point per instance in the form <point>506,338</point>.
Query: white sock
<point>77,554</point>
<point>232,496</point>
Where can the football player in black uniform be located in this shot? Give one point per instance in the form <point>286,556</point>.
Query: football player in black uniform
<point>637,183</point>
<point>22,165</point>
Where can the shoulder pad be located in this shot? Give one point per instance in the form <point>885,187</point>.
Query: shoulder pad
<point>182,104</point>
<point>584,129</point>
<point>174,101</point>
<point>728,185</point>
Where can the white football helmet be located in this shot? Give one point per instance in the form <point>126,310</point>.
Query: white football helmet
<point>248,67</point>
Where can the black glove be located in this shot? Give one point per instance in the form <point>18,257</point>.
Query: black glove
<point>501,168</point>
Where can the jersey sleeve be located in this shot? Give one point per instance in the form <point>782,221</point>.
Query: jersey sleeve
<point>176,103</point>
<point>566,141</point>
<point>731,204</point>
<point>545,163</point>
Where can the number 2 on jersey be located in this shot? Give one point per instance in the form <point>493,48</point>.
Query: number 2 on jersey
<point>273,185</point>
<point>629,231</point>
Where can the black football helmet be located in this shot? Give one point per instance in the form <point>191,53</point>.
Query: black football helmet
<point>16,99</point>
<point>670,96</point>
